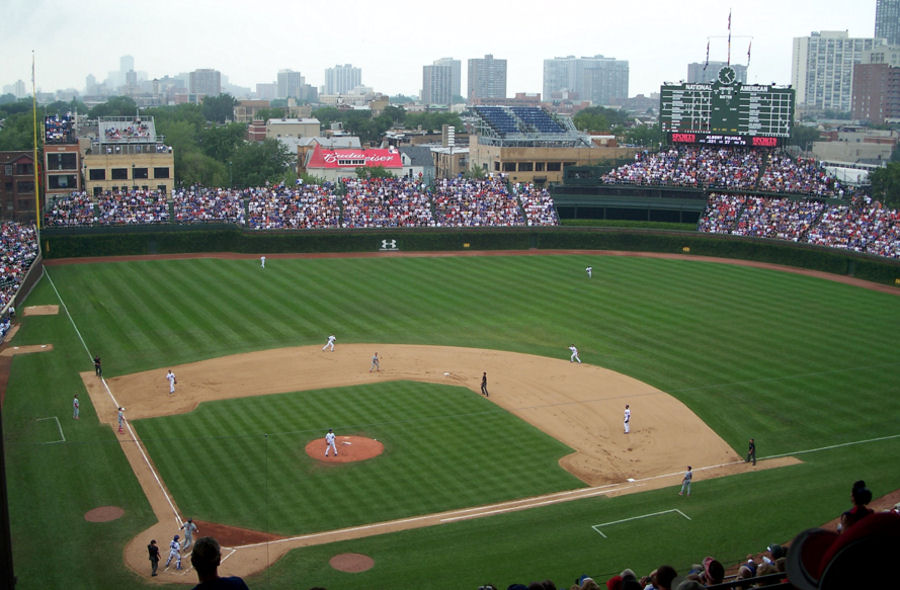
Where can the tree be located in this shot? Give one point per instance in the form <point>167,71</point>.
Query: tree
<point>116,106</point>
<point>219,109</point>
<point>475,173</point>
<point>256,163</point>
<point>643,135</point>
<point>395,114</point>
<point>17,132</point>
<point>803,136</point>
<point>886,185</point>
<point>599,119</point>
<point>271,113</point>
<point>373,172</point>
<point>327,115</point>
<point>220,141</point>
<point>198,168</point>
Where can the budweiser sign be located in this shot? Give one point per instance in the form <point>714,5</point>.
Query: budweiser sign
<point>322,158</point>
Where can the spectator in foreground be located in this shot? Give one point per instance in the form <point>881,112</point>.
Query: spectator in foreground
<point>861,496</point>
<point>206,558</point>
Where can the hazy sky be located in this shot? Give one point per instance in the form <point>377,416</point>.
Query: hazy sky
<point>391,41</point>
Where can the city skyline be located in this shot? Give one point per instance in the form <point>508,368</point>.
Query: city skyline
<point>658,41</point>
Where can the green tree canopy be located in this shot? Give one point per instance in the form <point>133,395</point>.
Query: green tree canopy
<point>643,135</point>
<point>803,136</point>
<point>221,141</point>
<point>598,119</point>
<point>218,109</point>
<point>116,106</point>
<point>255,163</point>
<point>886,185</point>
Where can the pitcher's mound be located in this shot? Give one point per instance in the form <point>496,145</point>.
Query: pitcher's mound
<point>350,448</point>
<point>351,562</point>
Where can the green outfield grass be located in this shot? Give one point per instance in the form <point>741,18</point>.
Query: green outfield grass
<point>797,362</point>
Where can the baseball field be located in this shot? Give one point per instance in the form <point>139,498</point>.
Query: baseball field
<point>536,481</point>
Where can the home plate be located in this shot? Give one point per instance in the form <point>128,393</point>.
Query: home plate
<point>346,442</point>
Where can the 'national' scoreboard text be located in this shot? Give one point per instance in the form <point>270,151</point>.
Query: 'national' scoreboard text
<point>726,112</point>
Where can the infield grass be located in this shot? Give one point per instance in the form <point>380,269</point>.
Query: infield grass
<point>797,362</point>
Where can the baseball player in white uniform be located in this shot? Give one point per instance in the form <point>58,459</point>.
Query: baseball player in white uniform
<point>121,419</point>
<point>189,529</point>
<point>172,381</point>
<point>262,261</point>
<point>574,356</point>
<point>627,419</point>
<point>590,271</point>
<point>75,407</point>
<point>329,442</point>
<point>174,553</point>
<point>330,343</point>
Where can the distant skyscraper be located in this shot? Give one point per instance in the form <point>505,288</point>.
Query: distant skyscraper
<point>699,73</point>
<point>487,78</point>
<point>887,21</point>
<point>437,82</point>
<point>600,80</point>
<point>455,74</point>
<point>126,64</point>
<point>822,68</point>
<point>342,79</point>
<point>290,84</point>
<point>205,82</point>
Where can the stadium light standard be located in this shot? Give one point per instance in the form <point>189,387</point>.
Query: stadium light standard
<point>230,178</point>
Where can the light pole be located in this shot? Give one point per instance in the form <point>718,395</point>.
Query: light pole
<point>230,177</point>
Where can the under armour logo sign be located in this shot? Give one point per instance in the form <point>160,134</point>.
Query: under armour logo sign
<point>388,245</point>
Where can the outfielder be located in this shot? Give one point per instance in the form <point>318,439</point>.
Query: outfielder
<point>174,553</point>
<point>330,343</point>
<point>590,271</point>
<point>329,442</point>
<point>627,419</point>
<point>574,356</point>
<point>75,407</point>
<point>686,482</point>
<point>189,529</point>
<point>262,261</point>
<point>172,381</point>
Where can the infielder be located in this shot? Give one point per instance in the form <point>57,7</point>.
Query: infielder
<point>376,365</point>
<point>484,390</point>
<point>172,381</point>
<point>262,261</point>
<point>329,442</point>
<point>686,482</point>
<point>121,419</point>
<point>574,356</point>
<point>75,406</point>
<point>627,419</point>
<point>174,552</point>
<point>590,271</point>
<point>330,343</point>
<point>189,529</point>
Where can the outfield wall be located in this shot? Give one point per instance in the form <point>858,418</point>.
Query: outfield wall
<point>119,241</point>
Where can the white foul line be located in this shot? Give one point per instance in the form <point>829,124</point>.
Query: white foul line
<point>596,527</point>
<point>131,431</point>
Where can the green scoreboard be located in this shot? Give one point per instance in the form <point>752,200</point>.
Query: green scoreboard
<point>726,112</point>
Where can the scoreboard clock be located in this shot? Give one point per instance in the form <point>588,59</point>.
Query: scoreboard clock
<point>727,112</point>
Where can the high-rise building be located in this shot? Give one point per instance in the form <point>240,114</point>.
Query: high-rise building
<point>600,80</point>
<point>887,21</point>
<point>700,73</point>
<point>455,74</point>
<point>342,79</point>
<point>205,82</point>
<point>822,68</point>
<point>126,64</point>
<point>487,78</point>
<point>290,84</point>
<point>437,85</point>
<point>876,86</point>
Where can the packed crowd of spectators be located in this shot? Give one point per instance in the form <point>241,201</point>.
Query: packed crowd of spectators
<point>864,225</point>
<point>132,207</point>
<point>732,168</point>
<point>464,202</point>
<point>537,204</point>
<point>18,249</point>
<point>59,128</point>
<point>203,205</point>
<point>137,130</point>
<point>387,202</point>
<point>72,210</point>
<point>303,207</point>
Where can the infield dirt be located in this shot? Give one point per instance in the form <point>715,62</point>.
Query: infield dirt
<point>581,405</point>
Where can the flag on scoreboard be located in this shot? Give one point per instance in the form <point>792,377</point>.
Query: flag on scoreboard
<point>749,45</point>
<point>706,65</point>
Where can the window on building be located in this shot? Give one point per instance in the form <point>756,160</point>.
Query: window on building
<point>139,173</point>
<point>161,188</point>
<point>97,191</point>
<point>554,167</point>
<point>509,166</point>
<point>24,169</point>
<point>61,181</point>
<point>97,174</point>
<point>64,161</point>
<point>496,166</point>
<point>161,172</point>
<point>25,186</point>
<point>539,166</point>
<point>25,205</point>
<point>119,173</point>
<point>526,166</point>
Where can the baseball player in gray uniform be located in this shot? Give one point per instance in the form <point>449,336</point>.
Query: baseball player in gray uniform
<point>376,364</point>
<point>189,529</point>
<point>329,442</point>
